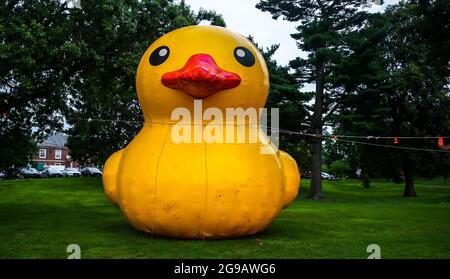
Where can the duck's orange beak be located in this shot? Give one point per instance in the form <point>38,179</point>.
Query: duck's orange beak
<point>200,77</point>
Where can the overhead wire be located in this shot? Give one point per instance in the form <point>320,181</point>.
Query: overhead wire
<point>334,138</point>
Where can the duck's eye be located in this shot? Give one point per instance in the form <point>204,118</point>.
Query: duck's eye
<point>244,56</point>
<point>159,55</point>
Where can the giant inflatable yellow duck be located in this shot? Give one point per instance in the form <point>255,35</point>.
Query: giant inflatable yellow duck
<point>190,189</point>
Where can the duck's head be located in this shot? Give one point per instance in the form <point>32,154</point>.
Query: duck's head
<point>220,67</point>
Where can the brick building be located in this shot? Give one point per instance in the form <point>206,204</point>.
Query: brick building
<point>53,152</point>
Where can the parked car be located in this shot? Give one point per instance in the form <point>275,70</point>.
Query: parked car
<point>305,174</point>
<point>29,173</point>
<point>11,173</point>
<point>327,176</point>
<point>52,172</point>
<point>71,172</point>
<point>91,172</point>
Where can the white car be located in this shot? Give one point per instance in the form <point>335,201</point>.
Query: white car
<point>71,172</point>
<point>327,176</point>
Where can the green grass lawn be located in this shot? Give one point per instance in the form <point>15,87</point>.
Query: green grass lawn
<point>39,218</point>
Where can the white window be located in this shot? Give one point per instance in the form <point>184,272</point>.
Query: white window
<point>58,154</point>
<point>42,153</point>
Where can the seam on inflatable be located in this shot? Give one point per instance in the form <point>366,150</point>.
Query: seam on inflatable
<point>157,170</point>
<point>206,195</point>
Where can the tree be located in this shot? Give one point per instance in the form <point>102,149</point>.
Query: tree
<point>108,39</point>
<point>363,73</point>
<point>400,89</point>
<point>16,145</point>
<point>418,55</point>
<point>62,65</point>
<point>211,16</point>
<point>33,36</point>
<point>323,24</point>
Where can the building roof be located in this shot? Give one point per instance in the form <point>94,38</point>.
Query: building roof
<point>55,140</point>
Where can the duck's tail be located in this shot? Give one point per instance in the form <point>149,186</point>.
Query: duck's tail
<point>291,178</point>
<point>110,176</point>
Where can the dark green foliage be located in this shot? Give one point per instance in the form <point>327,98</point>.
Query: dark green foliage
<point>340,168</point>
<point>16,145</point>
<point>211,16</point>
<point>399,89</point>
<point>108,39</point>
<point>33,36</point>
<point>67,65</point>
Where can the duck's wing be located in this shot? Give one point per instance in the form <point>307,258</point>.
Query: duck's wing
<point>110,176</point>
<point>291,178</point>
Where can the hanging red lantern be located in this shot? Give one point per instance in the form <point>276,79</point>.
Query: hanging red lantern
<point>395,140</point>
<point>441,141</point>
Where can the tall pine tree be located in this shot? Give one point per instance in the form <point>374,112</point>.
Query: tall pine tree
<point>322,28</point>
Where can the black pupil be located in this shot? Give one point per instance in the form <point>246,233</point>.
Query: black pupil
<point>244,56</point>
<point>159,55</point>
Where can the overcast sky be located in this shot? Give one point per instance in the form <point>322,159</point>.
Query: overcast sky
<point>242,16</point>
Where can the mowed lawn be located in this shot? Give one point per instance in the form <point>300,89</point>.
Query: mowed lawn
<point>40,217</point>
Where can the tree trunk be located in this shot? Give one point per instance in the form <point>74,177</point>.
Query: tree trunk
<point>315,191</point>
<point>366,164</point>
<point>366,180</point>
<point>409,183</point>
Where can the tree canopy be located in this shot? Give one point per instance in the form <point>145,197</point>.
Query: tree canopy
<point>400,90</point>
<point>66,68</point>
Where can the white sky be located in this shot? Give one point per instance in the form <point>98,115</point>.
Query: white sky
<point>241,16</point>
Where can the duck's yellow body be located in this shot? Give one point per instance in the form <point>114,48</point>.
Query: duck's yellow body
<point>201,189</point>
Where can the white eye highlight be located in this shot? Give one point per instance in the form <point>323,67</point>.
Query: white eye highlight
<point>240,53</point>
<point>163,52</point>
